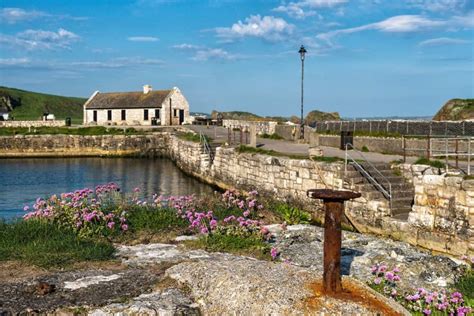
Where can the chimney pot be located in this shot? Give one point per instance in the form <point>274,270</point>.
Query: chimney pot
<point>147,88</point>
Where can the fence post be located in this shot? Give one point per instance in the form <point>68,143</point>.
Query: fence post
<point>370,127</point>
<point>428,147</point>
<point>404,149</point>
<point>456,149</point>
<point>469,156</point>
<point>228,136</point>
<point>386,126</point>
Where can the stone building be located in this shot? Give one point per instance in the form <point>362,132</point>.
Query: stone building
<point>165,107</point>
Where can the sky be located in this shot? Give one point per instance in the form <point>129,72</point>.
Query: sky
<point>364,57</point>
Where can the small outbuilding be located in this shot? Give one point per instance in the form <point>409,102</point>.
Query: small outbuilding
<point>147,107</point>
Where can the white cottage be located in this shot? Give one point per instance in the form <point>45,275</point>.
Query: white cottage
<point>165,107</point>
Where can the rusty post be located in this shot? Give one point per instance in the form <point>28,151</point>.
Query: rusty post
<point>333,208</point>
<point>457,150</point>
<point>404,149</point>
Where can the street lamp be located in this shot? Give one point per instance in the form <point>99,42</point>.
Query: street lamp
<point>302,52</point>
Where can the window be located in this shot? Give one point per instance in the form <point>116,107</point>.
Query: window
<point>109,115</point>
<point>157,113</point>
<point>175,112</point>
<point>145,115</point>
<point>94,116</point>
<point>124,115</point>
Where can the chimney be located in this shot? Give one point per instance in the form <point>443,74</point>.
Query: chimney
<point>146,88</point>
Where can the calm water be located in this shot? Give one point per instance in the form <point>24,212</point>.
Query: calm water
<point>23,180</point>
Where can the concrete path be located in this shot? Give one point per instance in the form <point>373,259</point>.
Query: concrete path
<point>220,134</point>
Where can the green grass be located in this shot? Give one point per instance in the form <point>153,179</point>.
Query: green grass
<point>240,245</point>
<point>47,245</point>
<point>192,137</point>
<point>252,150</point>
<point>93,130</point>
<point>365,149</point>
<point>465,285</point>
<point>292,215</point>
<point>155,220</point>
<point>271,136</point>
<point>432,163</point>
<point>327,159</point>
<point>31,105</point>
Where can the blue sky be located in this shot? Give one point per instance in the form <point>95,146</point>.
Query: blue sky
<point>365,57</point>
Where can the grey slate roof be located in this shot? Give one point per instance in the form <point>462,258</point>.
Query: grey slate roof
<point>128,100</point>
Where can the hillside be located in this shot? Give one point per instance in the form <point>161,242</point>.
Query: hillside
<point>456,110</point>
<point>317,116</point>
<point>27,105</point>
<point>237,115</point>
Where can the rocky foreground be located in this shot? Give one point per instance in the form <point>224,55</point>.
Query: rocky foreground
<point>163,279</point>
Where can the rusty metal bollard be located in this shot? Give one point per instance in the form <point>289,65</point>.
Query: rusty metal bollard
<point>334,208</point>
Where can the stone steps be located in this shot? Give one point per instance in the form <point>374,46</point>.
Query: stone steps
<point>402,191</point>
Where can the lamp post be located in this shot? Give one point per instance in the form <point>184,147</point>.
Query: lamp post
<point>302,52</point>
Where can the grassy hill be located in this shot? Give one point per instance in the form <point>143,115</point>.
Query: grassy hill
<point>27,105</point>
<point>456,110</point>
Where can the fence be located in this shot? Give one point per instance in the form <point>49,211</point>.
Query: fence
<point>402,127</point>
<point>448,148</point>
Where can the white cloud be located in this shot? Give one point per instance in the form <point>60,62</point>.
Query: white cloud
<point>438,5</point>
<point>40,40</point>
<point>443,41</point>
<point>202,53</point>
<point>120,62</point>
<point>14,61</point>
<point>465,21</point>
<point>186,46</point>
<point>213,53</point>
<point>305,8</point>
<point>143,39</point>
<point>294,11</point>
<point>14,15</point>
<point>267,27</point>
<point>395,24</point>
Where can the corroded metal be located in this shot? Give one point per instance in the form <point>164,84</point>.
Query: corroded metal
<point>334,208</point>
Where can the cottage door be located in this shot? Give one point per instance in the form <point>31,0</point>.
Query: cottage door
<point>181,117</point>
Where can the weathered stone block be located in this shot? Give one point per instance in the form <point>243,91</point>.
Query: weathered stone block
<point>433,180</point>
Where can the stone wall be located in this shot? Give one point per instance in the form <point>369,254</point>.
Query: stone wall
<point>55,123</point>
<point>263,127</point>
<point>77,145</point>
<point>443,212</point>
<point>441,220</point>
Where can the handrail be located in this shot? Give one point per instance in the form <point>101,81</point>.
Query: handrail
<point>374,181</point>
<point>205,146</point>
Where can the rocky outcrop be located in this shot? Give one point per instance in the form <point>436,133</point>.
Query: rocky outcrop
<point>456,110</point>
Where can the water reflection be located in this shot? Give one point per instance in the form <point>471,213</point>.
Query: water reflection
<point>23,180</point>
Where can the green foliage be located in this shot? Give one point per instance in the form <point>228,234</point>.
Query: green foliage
<point>31,105</point>
<point>235,240</point>
<point>93,130</point>
<point>192,137</point>
<point>327,159</point>
<point>465,285</point>
<point>45,244</point>
<point>432,163</point>
<point>292,215</point>
<point>253,150</point>
<point>365,149</point>
<point>154,219</point>
<point>271,136</point>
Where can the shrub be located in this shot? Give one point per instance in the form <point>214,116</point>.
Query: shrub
<point>293,215</point>
<point>432,163</point>
<point>271,136</point>
<point>365,149</point>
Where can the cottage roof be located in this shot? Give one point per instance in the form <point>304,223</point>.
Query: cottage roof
<point>128,100</point>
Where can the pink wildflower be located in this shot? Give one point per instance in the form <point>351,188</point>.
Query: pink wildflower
<point>274,253</point>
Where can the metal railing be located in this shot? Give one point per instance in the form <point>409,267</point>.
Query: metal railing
<point>444,147</point>
<point>385,190</point>
<point>206,147</point>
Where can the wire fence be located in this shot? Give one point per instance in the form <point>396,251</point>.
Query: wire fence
<point>402,127</point>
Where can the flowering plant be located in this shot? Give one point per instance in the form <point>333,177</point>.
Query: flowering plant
<point>87,211</point>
